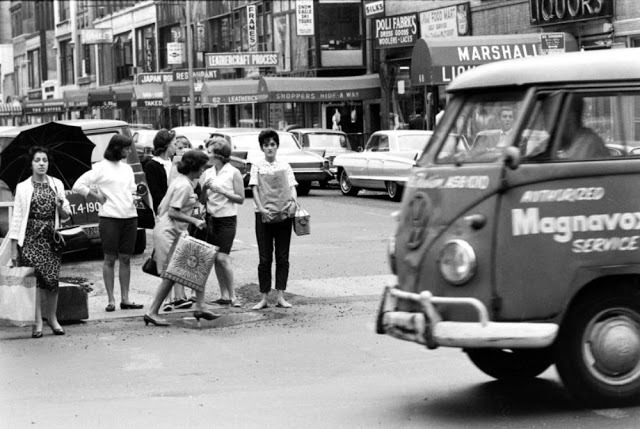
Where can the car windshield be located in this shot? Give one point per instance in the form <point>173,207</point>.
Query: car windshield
<point>481,128</point>
<point>326,141</point>
<point>249,142</point>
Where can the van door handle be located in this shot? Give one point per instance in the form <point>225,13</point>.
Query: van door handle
<point>476,221</point>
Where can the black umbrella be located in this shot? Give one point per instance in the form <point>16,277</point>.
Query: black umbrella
<point>69,148</point>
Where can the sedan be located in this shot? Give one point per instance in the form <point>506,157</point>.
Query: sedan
<point>196,134</point>
<point>326,143</point>
<point>385,163</point>
<point>307,166</point>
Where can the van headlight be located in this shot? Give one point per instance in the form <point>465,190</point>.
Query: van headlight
<point>457,262</point>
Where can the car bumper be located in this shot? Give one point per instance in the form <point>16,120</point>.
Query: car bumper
<point>427,327</point>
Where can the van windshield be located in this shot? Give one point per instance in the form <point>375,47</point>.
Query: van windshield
<point>482,128</point>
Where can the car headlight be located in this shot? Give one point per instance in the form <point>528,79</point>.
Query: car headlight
<point>457,262</point>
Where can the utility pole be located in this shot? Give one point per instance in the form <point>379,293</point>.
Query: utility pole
<point>188,46</point>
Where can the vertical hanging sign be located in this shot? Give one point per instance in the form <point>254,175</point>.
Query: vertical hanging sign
<point>252,26</point>
<point>304,18</point>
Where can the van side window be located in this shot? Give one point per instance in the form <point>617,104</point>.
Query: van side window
<point>579,139</point>
<point>535,139</point>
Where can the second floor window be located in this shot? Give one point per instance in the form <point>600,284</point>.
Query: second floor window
<point>66,63</point>
<point>64,9</point>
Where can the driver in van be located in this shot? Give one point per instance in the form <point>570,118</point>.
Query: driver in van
<point>498,138</point>
<point>578,141</point>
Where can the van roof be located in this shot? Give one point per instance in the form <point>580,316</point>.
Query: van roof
<point>611,65</point>
<point>85,124</point>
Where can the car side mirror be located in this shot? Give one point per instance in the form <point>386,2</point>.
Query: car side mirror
<point>512,157</point>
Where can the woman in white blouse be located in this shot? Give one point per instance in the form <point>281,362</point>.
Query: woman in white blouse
<point>112,182</point>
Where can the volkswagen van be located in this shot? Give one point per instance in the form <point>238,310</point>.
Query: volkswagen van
<point>526,253</point>
<point>81,231</point>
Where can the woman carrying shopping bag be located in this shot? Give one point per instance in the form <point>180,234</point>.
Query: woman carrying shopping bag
<point>39,205</point>
<point>175,213</point>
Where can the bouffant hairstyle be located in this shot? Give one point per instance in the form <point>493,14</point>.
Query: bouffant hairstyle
<point>113,152</point>
<point>220,148</point>
<point>162,140</point>
<point>183,140</point>
<point>266,134</point>
<point>38,149</point>
<point>192,160</point>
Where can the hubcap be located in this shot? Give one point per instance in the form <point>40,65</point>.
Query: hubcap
<point>345,183</point>
<point>392,188</point>
<point>612,346</point>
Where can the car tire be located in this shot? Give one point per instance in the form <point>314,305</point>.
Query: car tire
<point>511,365</point>
<point>598,348</point>
<point>345,185</point>
<point>394,190</point>
<point>303,188</point>
<point>141,242</point>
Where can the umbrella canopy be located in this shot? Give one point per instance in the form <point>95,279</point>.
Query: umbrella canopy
<point>69,148</point>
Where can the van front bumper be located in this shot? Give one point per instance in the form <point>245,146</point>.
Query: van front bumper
<point>427,327</point>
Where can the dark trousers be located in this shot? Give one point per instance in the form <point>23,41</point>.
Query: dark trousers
<point>270,235</point>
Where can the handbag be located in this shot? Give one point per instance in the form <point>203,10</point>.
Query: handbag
<point>59,242</point>
<point>302,221</point>
<point>17,296</point>
<point>150,266</point>
<point>191,262</point>
<point>146,216</point>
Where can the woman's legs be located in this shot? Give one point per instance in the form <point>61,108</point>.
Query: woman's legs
<point>264,237</point>
<point>163,290</point>
<point>282,241</point>
<point>224,276</point>
<point>124,275</point>
<point>52,301</point>
<point>38,326</point>
<point>108,274</point>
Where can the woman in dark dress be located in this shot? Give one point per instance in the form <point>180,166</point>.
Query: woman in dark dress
<point>39,205</point>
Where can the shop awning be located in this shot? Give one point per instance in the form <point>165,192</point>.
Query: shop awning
<point>76,98</point>
<point>240,91</point>
<point>38,107</point>
<point>320,89</point>
<point>10,109</point>
<point>148,95</point>
<point>124,94</point>
<point>177,93</point>
<point>437,61</point>
<point>102,98</point>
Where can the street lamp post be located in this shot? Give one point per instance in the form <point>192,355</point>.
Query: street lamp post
<point>188,45</point>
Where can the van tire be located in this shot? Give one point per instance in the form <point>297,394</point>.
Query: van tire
<point>141,242</point>
<point>598,348</point>
<point>511,365</point>
<point>345,185</point>
<point>394,190</point>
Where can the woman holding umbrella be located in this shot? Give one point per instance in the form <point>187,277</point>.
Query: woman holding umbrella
<point>112,182</point>
<point>39,205</point>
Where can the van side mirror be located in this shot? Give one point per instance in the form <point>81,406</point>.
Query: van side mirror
<point>512,157</point>
<point>141,189</point>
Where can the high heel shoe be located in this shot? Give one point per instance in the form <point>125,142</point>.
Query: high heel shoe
<point>58,331</point>
<point>36,334</point>
<point>157,322</point>
<point>205,314</point>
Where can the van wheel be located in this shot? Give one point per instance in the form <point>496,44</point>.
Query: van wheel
<point>345,185</point>
<point>513,364</point>
<point>598,348</point>
<point>394,190</point>
<point>141,242</point>
<point>303,188</point>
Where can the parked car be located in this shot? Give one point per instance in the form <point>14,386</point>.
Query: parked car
<point>307,166</point>
<point>196,134</point>
<point>385,163</point>
<point>81,231</point>
<point>326,143</point>
<point>143,141</point>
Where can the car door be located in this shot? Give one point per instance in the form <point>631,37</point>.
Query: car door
<point>358,163</point>
<point>376,160</point>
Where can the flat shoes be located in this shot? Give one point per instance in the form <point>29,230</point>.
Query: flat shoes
<point>131,306</point>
